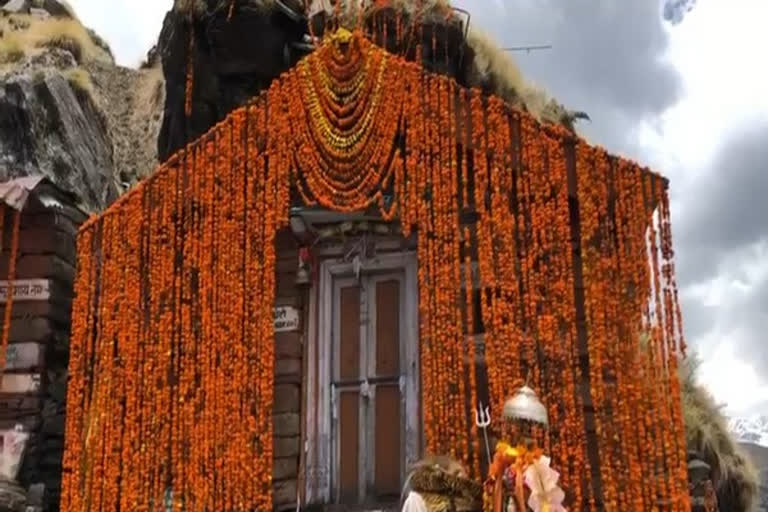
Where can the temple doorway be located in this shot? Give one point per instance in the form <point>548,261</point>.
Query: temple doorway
<point>368,411</point>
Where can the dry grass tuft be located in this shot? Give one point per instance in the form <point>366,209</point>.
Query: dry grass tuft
<point>66,33</point>
<point>498,73</point>
<point>706,431</point>
<point>11,51</point>
<point>80,81</point>
<point>100,42</point>
<point>67,43</point>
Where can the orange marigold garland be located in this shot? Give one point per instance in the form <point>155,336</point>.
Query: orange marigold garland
<point>12,257</point>
<point>176,286</point>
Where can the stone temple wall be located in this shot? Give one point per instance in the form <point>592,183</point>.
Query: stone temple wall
<point>33,386</point>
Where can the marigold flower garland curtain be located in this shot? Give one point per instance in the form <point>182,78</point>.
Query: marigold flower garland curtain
<point>172,345</point>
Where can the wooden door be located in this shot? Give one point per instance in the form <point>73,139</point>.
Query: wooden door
<point>367,387</point>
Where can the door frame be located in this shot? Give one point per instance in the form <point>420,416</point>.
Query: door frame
<point>318,439</point>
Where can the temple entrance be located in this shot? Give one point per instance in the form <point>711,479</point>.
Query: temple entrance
<point>369,407</point>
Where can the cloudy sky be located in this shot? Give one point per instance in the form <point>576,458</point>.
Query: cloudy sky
<point>688,98</point>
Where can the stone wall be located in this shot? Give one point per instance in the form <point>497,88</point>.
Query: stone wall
<point>288,378</point>
<point>33,388</point>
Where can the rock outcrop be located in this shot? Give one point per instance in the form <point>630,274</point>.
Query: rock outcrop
<point>232,60</point>
<point>759,456</point>
<point>230,51</point>
<point>48,127</point>
<point>67,111</point>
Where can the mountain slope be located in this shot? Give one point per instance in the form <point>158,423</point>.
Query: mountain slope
<point>759,456</point>
<point>750,430</point>
<point>67,111</point>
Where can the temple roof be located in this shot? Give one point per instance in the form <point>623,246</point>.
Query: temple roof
<point>492,69</point>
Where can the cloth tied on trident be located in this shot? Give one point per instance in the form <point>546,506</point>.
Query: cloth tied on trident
<point>483,421</point>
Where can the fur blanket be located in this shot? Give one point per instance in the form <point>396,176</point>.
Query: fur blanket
<point>444,492</point>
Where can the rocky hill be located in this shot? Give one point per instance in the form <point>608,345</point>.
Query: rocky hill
<point>67,111</point>
<point>759,456</point>
<point>750,430</point>
<point>752,434</point>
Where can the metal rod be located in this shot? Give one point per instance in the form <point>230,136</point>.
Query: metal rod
<point>528,49</point>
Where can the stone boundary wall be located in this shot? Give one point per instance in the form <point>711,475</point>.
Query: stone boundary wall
<point>34,381</point>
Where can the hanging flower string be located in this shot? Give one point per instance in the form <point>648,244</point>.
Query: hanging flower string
<point>176,286</point>
<point>12,261</point>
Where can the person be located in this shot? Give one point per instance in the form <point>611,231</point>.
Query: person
<point>440,484</point>
<point>520,478</point>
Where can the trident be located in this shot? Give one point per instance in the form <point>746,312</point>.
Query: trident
<point>483,420</point>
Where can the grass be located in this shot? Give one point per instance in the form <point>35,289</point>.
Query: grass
<point>706,432</point>
<point>494,68</point>
<point>80,81</point>
<point>65,33</point>
<point>10,51</point>
<point>67,43</point>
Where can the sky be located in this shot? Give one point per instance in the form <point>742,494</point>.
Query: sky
<point>681,87</point>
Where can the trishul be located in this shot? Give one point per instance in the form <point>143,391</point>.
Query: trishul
<point>483,421</point>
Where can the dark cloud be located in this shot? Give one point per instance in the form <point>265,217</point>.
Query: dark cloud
<point>675,10</point>
<point>754,316</point>
<point>747,318</point>
<point>606,58</point>
<point>728,209</point>
<point>724,225</point>
<point>699,319</point>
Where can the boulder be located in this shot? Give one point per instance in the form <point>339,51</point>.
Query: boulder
<point>56,8</point>
<point>40,14</point>
<point>233,60</point>
<point>47,128</point>
<point>16,7</point>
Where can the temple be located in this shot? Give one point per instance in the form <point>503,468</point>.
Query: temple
<point>347,272</point>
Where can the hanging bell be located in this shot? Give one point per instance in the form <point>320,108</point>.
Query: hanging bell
<point>525,405</point>
<point>302,276</point>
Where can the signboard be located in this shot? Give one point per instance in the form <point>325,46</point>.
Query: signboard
<point>20,383</point>
<point>26,290</point>
<point>23,356</point>
<point>286,319</point>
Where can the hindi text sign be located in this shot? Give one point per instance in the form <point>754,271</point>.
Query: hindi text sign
<point>26,290</point>
<point>286,319</point>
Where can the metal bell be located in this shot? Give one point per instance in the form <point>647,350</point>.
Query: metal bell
<point>525,405</point>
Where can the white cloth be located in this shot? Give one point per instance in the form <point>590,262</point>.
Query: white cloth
<point>414,503</point>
